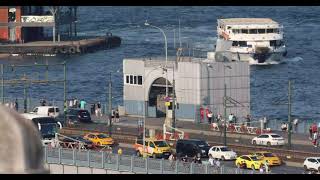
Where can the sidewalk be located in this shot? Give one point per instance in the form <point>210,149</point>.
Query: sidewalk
<point>201,129</point>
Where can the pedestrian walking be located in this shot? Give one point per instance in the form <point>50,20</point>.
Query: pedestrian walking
<point>211,160</point>
<point>265,122</point>
<point>99,109</point>
<point>209,116</point>
<point>117,116</point>
<point>16,105</point>
<point>261,169</point>
<point>231,118</point>
<point>217,163</point>
<point>283,126</point>
<point>83,104</point>
<point>295,125</point>
<point>315,139</point>
<point>201,115</point>
<point>92,108</point>
<point>75,103</point>
<point>11,105</point>
<point>172,159</point>
<point>113,113</point>
<point>71,103</point>
<point>119,151</point>
<point>310,132</point>
<point>248,119</point>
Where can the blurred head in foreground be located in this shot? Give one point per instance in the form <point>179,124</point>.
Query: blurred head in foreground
<point>20,145</point>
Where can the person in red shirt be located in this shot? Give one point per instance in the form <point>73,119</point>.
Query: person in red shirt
<point>201,114</point>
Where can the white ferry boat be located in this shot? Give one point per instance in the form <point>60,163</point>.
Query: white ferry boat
<point>256,40</point>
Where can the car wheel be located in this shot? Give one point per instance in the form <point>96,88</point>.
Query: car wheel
<point>252,167</point>
<point>268,144</point>
<point>238,165</point>
<point>305,168</point>
<point>138,153</point>
<point>99,144</point>
<point>254,142</point>
<point>222,158</point>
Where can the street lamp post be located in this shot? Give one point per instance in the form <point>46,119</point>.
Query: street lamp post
<point>225,105</point>
<point>166,50</point>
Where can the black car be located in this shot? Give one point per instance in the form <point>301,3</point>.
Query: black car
<point>74,141</point>
<point>74,116</point>
<point>192,147</point>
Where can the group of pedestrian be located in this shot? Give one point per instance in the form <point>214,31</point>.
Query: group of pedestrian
<point>75,103</point>
<point>214,162</point>
<point>96,109</point>
<point>12,105</point>
<point>313,134</point>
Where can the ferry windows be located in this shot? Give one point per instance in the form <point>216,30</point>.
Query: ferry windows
<point>253,31</point>
<point>273,31</point>
<point>269,30</point>
<point>261,31</point>
<point>244,31</point>
<point>243,43</point>
<point>235,43</point>
<point>134,80</point>
<point>239,43</point>
<point>236,31</point>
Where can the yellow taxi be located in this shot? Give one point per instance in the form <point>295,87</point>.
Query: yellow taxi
<point>270,158</point>
<point>249,161</point>
<point>99,139</point>
<point>153,147</point>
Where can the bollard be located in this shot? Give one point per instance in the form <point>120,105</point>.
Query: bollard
<point>176,168</point>
<point>207,169</point>
<point>118,162</point>
<point>88,156</point>
<point>102,160</point>
<point>191,168</point>
<point>147,162</point>
<point>59,152</point>
<point>131,168</point>
<point>161,165</point>
<point>45,154</point>
<point>73,156</point>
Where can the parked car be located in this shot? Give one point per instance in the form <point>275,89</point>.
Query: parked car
<point>249,161</point>
<point>75,116</point>
<point>222,152</point>
<point>153,147</point>
<point>192,147</point>
<point>52,111</point>
<point>312,164</point>
<point>74,141</point>
<point>269,139</point>
<point>100,139</point>
<point>269,157</point>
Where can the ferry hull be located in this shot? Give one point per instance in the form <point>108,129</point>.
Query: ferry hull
<point>271,58</point>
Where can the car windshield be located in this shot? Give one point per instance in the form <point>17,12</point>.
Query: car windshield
<point>275,136</point>
<point>48,130</point>
<point>224,149</point>
<point>101,136</point>
<point>268,155</point>
<point>202,143</point>
<point>254,158</point>
<point>160,143</point>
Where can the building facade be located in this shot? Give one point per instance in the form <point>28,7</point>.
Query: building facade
<point>199,85</point>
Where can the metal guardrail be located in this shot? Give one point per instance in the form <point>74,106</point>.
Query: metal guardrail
<point>133,164</point>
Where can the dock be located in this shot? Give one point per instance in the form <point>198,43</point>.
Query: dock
<point>69,47</point>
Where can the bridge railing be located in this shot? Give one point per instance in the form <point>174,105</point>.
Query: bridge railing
<point>133,164</point>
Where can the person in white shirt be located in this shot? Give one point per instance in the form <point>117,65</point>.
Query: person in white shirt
<point>230,118</point>
<point>210,117</point>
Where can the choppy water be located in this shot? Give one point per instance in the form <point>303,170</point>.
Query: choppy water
<point>87,74</point>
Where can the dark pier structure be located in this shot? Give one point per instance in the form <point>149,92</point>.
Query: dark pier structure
<point>38,30</point>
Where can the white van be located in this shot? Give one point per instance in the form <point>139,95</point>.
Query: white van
<point>51,111</point>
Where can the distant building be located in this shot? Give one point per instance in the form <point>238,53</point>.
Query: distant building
<point>198,83</point>
<point>34,23</point>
